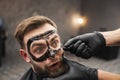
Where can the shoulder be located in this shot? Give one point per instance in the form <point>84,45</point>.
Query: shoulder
<point>83,71</point>
<point>75,64</point>
<point>81,66</point>
<point>27,75</point>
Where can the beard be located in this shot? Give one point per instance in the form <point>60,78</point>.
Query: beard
<point>47,72</point>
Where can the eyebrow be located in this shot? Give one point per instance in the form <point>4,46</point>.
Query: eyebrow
<point>47,33</point>
<point>41,43</point>
<point>38,44</point>
<point>54,38</point>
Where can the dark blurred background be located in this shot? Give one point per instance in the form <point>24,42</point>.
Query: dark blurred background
<point>73,17</point>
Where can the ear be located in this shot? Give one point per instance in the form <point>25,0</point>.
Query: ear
<point>24,55</point>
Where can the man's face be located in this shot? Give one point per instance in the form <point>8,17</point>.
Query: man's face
<point>38,47</point>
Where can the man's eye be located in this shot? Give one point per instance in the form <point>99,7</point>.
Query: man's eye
<point>39,50</point>
<point>54,44</point>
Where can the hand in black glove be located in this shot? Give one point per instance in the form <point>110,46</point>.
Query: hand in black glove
<point>85,45</point>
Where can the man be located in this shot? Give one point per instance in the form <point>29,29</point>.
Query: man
<point>41,47</point>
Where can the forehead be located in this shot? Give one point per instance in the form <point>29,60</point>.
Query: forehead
<point>40,30</point>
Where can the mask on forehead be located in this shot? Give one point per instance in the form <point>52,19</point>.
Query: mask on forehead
<point>42,51</point>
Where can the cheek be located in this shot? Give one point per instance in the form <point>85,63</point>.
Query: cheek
<point>38,64</point>
<point>42,65</point>
<point>60,53</point>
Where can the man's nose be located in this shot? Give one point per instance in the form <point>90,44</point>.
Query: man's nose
<point>52,53</point>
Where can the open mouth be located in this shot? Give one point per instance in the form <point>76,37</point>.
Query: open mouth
<point>54,66</point>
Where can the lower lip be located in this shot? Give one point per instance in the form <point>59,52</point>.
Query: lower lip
<point>55,66</point>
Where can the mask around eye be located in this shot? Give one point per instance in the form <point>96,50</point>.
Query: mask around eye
<point>40,52</point>
<point>44,50</point>
<point>38,48</point>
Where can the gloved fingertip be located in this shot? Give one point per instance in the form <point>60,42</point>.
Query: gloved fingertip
<point>65,48</point>
<point>66,44</point>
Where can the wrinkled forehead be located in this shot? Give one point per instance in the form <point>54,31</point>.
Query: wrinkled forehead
<point>45,36</point>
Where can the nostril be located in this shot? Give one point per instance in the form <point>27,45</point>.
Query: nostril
<point>52,56</point>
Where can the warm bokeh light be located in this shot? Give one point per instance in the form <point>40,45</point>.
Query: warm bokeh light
<point>78,21</point>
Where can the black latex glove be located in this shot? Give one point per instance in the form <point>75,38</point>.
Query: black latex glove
<point>85,45</point>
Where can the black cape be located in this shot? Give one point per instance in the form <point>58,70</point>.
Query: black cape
<point>76,72</point>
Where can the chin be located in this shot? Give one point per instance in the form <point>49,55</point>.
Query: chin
<point>63,67</point>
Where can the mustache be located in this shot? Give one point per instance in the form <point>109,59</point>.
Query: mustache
<point>55,60</point>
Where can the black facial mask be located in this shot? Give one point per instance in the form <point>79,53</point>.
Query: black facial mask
<point>49,53</point>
